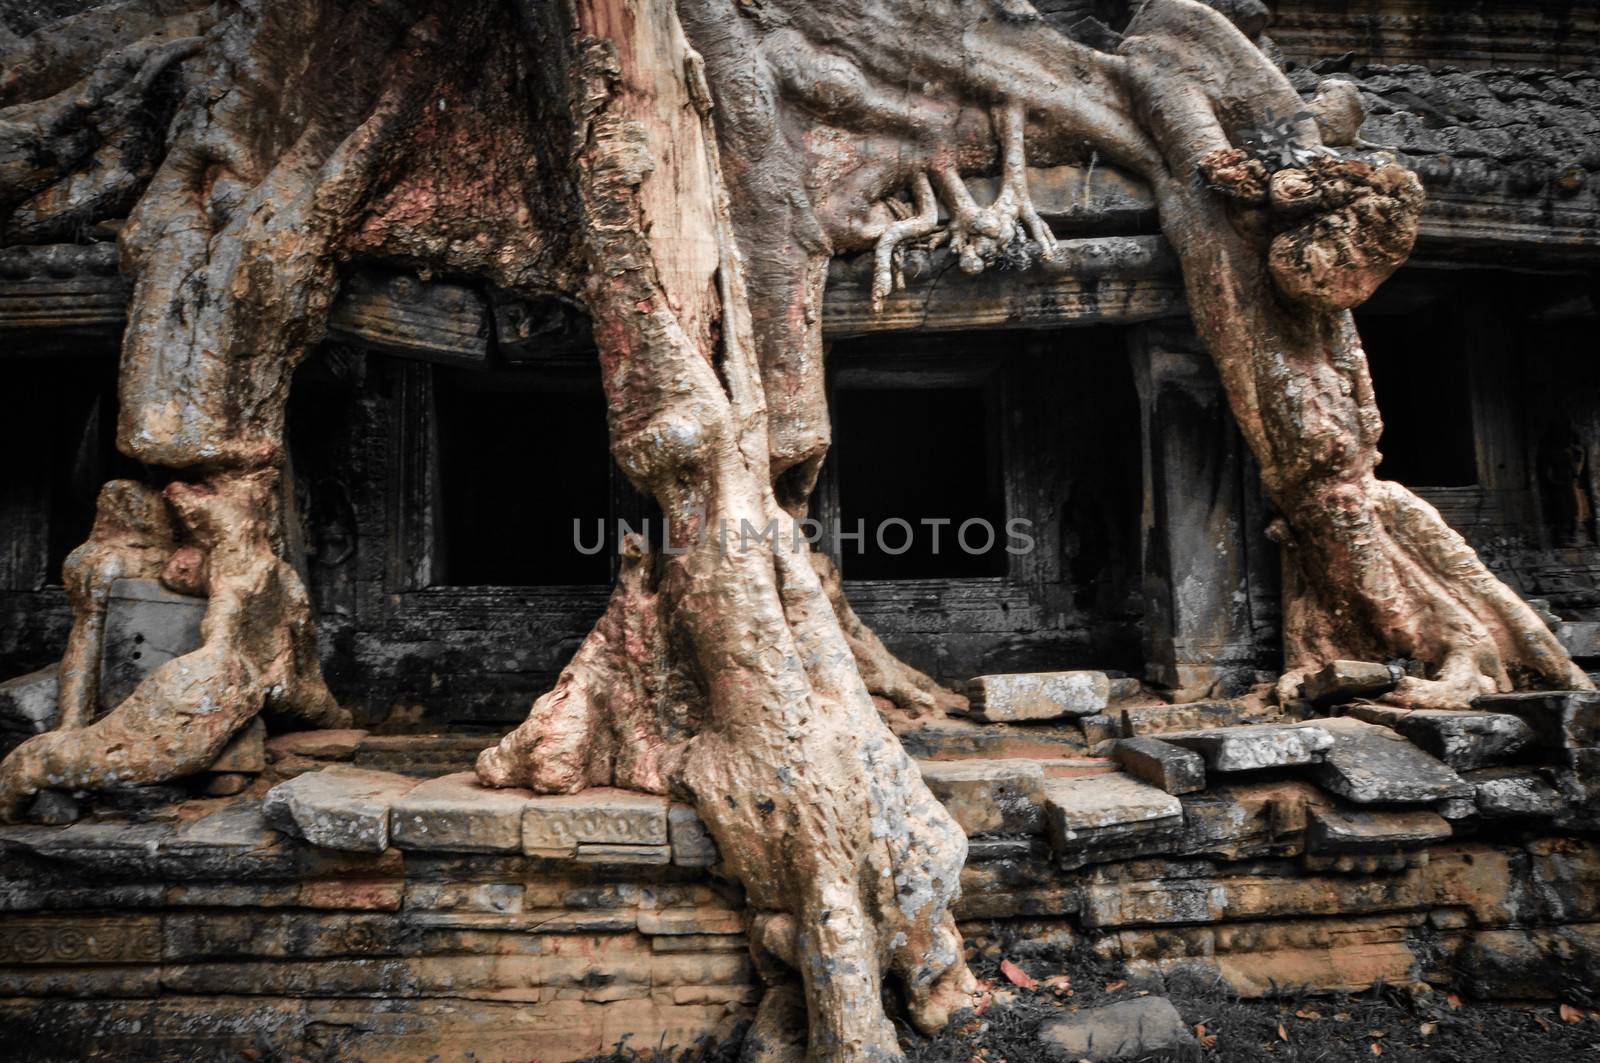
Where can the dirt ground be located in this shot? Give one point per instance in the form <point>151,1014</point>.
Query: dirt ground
<point>1387,1022</point>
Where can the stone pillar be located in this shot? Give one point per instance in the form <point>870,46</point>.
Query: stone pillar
<point>1197,528</point>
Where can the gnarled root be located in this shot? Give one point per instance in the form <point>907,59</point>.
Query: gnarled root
<point>914,693</point>
<point>619,709</point>
<point>1380,574</point>
<point>258,651</point>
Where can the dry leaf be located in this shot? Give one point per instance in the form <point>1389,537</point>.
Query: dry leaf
<point>1207,1040</point>
<point>1427,1028</point>
<point>1307,1013</point>
<point>1454,1002</point>
<point>1377,1033</point>
<point>1343,1016</point>
<point>1059,984</point>
<point>1570,1015</point>
<point>1017,976</point>
<point>1544,1023</point>
<point>1283,1035</point>
<point>1377,1049</point>
<point>1112,987</point>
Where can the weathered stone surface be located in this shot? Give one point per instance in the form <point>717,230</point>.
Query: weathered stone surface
<point>1189,716</point>
<point>1128,1029</point>
<point>1100,727</point>
<point>1580,637</point>
<point>1561,719</point>
<point>1383,715</point>
<point>54,808</point>
<point>1369,764</point>
<point>692,844</point>
<point>1087,815</point>
<point>1566,879</point>
<point>1255,746</point>
<point>1247,820</point>
<point>602,853</point>
<point>1173,898</point>
<point>1347,830</point>
<point>1171,767</point>
<point>1346,680</point>
<point>146,626</point>
<point>28,703</point>
<point>1042,695</point>
<point>989,796</point>
<point>702,920</point>
<point>1502,793</point>
<point>597,816</point>
<point>1466,740</point>
<point>316,745</point>
<point>458,813</point>
<point>339,807</point>
<point>1492,882</point>
<point>245,751</point>
<point>1530,964</point>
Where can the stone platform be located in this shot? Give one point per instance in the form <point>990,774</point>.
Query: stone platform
<point>344,908</point>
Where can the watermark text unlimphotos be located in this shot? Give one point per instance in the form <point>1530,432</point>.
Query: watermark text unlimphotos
<point>974,536</point>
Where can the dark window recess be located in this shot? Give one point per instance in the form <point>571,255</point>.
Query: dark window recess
<point>1420,378</point>
<point>63,425</point>
<point>521,456</point>
<point>917,454</point>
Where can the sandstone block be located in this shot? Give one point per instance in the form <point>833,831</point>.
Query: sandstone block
<point>146,626</point>
<point>338,808</point>
<point>1171,767</point>
<point>624,854</point>
<point>1041,695</point>
<point>692,844</point>
<point>1189,716</point>
<point>1466,740</point>
<point>691,921</point>
<point>1127,1029</point>
<point>1369,764</point>
<point>1100,812</point>
<point>989,796</point>
<point>1561,719</point>
<point>458,813</point>
<point>1502,793</point>
<point>1344,830</point>
<point>1101,727</point>
<point>1255,746</point>
<point>598,816</point>
<point>1347,680</point>
<point>316,745</point>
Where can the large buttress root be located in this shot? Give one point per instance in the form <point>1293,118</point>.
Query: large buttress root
<point>257,650</point>
<point>1272,262</point>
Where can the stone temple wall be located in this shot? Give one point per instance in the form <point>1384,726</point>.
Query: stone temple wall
<point>353,903</point>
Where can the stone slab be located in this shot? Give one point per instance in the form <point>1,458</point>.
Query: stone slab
<point>1369,764</point>
<point>989,796</point>
<point>28,703</point>
<point>1171,767</point>
<point>1467,740</point>
<point>1112,812</point>
<point>692,844</point>
<point>1347,830</point>
<point>1018,696</point>
<point>1561,719</point>
<point>1255,746</point>
<point>337,744</point>
<point>1101,727</point>
<point>1188,716</point>
<point>1339,681</point>
<point>624,854</point>
<point>457,813</point>
<point>339,807</point>
<point>1503,793</point>
<point>598,816</point>
<point>1127,1029</point>
<point>146,626</point>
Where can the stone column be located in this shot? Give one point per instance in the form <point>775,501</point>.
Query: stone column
<point>1197,531</point>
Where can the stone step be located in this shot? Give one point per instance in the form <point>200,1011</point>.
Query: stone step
<point>1370,764</point>
<point>1466,740</point>
<point>1088,818</point>
<point>1028,696</point>
<point>1255,746</point>
<point>1561,719</point>
<point>339,807</point>
<point>1171,767</point>
<point>1189,716</point>
<point>989,796</point>
<point>1346,830</point>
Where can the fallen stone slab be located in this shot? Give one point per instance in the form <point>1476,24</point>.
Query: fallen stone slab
<point>1090,815</point>
<point>1467,740</point>
<point>989,796</point>
<point>1347,830</point>
<point>338,808</point>
<point>1012,697</point>
<point>1561,719</point>
<point>146,626</point>
<point>1505,793</point>
<point>1187,716</point>
<point>597,816</point>
<point>1255,746</point>
<point>1128,1029</point>
<point>1339,681</point>
<point>458,813</point>
<point>1171,767</point>
<point>1369,764</point>
<point>316,745</point>
<point>28,702</point>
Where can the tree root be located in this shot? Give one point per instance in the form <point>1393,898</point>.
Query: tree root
<point>258,651</point>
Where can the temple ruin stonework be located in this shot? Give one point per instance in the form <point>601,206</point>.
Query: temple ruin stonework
<point>786,529</point>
